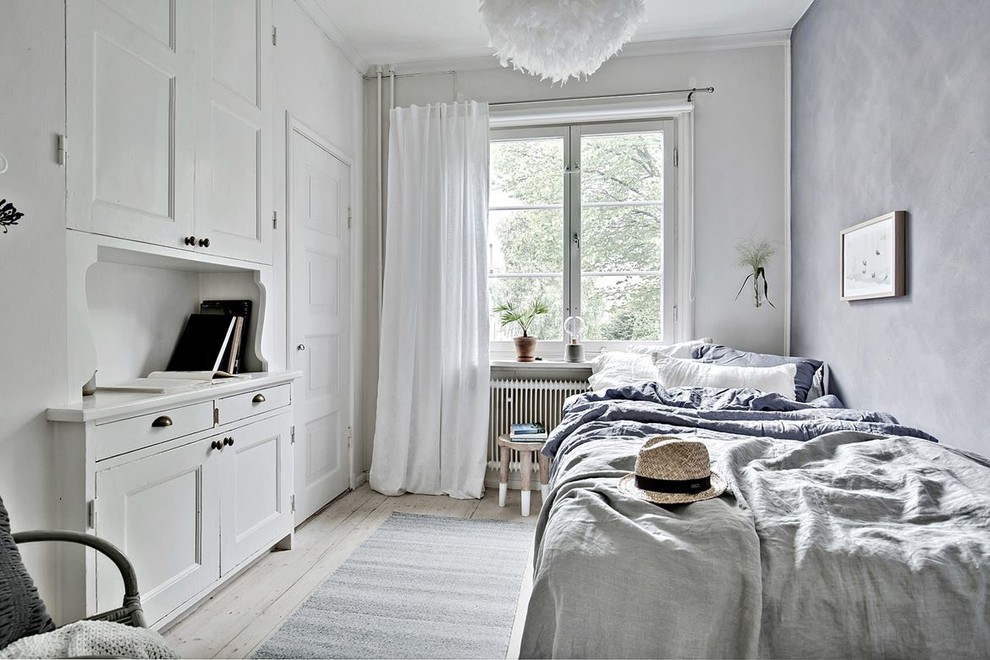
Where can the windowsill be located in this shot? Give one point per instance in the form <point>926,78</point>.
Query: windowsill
<point>541,364</point>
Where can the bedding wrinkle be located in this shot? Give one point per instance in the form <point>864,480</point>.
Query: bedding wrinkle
<point>844,534</point>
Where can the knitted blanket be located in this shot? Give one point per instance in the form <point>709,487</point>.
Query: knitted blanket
<point>91,638</point>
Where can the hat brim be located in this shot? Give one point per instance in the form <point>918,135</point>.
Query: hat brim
<point>627,485</point>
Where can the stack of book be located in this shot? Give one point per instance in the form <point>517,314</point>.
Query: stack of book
<point>528,432</point>
<point>240,311</point>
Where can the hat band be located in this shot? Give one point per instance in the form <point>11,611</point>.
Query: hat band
<point>673,485</point>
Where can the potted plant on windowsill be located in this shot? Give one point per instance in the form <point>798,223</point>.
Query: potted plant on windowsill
<point>509,313</point>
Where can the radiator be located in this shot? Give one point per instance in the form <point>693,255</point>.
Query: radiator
<point>513,401</point>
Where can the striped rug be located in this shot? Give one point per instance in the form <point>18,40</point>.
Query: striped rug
<point>418,587</point>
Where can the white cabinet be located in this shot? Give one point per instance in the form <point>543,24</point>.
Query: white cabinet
<point>169,123</point>
<point>164,512</point>
<point>256,498</point>
<point>190,500</point>
<point>234,128</point>
<point>130,107</point>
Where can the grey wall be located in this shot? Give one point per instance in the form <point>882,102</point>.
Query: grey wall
<point>891,110</point>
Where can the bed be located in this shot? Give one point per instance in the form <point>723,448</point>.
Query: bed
<point>842,534</point>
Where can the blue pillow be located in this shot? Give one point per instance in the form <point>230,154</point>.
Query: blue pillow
<point>806,367</point>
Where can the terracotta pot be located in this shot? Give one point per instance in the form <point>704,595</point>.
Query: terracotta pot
<point>525,349</point>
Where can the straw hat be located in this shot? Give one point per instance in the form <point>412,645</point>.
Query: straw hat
<point>671,470</point>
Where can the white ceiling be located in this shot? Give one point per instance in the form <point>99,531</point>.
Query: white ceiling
<point>397,31</point>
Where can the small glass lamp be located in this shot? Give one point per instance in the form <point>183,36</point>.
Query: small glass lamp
<point>573,349</point>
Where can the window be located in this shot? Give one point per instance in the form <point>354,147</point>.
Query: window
<point>581,217</point>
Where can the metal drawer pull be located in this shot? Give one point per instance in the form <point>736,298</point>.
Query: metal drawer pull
<point>162,422</point>
<point>216,445</point>
<point>258,398</point>
<point>228,442</point>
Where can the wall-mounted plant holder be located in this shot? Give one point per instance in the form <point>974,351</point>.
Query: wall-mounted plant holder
<point>9,215</point>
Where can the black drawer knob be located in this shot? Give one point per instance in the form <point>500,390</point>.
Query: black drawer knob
<point>162,422</point>
<point>189,240</point>
<point>228,442</point>
<point>216,445</point>
<point>204,242</point>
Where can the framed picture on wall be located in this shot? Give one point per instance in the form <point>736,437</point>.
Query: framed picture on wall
<point>873,258</point>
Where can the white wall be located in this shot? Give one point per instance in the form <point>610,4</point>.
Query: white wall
<point>141,308</point>
<point>33,346</point>
<point>317,85</point>
<point>740,181</point>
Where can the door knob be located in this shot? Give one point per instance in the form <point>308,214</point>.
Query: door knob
<point>228,442</point>
<point>189,240</point>
<point>301,347</point>
<point>216,445</point>
<point>204,242</point>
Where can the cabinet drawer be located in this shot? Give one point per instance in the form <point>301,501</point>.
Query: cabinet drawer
<point>113,438</point>
<point>254,402</point>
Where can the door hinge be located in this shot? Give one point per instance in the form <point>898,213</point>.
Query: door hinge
<point>675,156</point>
<point>292,435</point>
<point>348,437</point>
<point>91,514</point>
<point>675,313</point>
<point>61,149</point>
<point>274,36</point>
<point>348,217</point>
<point>292,501</point>
<point>274,219</point>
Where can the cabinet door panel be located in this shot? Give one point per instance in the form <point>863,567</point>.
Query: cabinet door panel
<point>236,152</point>
<point>255,507</point>
<point>152,16</point>
<point>233,147</point>
<point>132,151</point>
<point>130,111</point>
<point>235,46</point>
<point>163,511</point>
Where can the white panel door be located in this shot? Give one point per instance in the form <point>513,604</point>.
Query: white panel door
<point>234,130</point>
<point>163,511</point>
<point>255,509</point>
<point>130,108</point>
<point>319,284</point>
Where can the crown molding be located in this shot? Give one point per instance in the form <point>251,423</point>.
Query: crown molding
<point>672,45</point>
<point>332,32</point>
<point>634,49</point>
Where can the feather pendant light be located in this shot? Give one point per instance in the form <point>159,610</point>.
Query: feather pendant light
<point>559,39</point>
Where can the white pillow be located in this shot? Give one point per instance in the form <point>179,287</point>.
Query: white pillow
<point>679,350</point>
<point>614,369</point>
<point>672,372</point>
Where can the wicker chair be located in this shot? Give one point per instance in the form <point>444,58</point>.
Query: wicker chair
<point>130,612</point>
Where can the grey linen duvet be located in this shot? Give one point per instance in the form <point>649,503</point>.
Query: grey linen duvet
<point>842,534</point>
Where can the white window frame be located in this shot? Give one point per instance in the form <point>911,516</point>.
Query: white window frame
<point>678,228</point>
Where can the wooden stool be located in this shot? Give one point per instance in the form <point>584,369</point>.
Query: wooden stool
<point>526,451</point>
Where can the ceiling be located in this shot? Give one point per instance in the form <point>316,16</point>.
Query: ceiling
<point>397,31</point>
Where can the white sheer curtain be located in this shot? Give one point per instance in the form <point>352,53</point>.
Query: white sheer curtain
<point>432,418</point>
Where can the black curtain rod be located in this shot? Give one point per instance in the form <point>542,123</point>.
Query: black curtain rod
<point>690,92</point>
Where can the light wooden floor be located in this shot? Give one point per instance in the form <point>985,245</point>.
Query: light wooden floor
<point>236,619</point>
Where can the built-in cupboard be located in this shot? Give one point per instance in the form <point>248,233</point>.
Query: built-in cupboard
<point>168,156</point>
<point>169,123</point>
